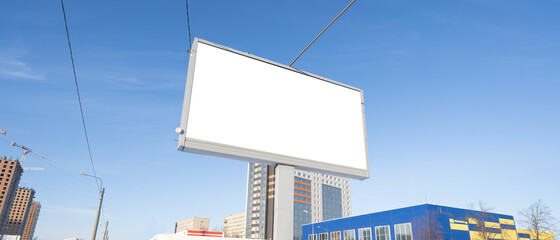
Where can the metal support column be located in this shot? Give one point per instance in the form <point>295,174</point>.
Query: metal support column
<point>284,203</point>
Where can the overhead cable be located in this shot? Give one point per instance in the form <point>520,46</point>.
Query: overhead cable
<point>188,25</point>
<point>322,32</point>
<point>78,90</point>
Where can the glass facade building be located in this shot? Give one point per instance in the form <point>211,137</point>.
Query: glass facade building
<point>332,202</point>
<point>302,205</point>
<point>317,197</point>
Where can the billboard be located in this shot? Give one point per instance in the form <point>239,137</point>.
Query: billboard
<point>244,107</point>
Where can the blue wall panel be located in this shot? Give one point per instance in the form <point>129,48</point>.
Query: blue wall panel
<point>413,215</point>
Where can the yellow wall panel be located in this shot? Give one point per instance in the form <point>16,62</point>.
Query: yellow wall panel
<point>462,227</point>
<point>509,234</point>
<point>451,220</point>
<point>476,235</point>
<point>491,225</point>
<point>506,221</point>
<point>542,235</point>
<point>472,220</point>
<point>547,236</point>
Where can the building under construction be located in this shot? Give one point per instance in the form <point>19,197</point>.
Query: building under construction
<point>10,173</point>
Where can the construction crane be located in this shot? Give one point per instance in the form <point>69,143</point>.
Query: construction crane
<point>27,150</point>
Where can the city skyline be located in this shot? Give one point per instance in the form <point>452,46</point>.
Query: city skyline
<point>461,102</point>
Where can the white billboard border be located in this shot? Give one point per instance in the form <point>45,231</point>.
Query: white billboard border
<point>197,146</point>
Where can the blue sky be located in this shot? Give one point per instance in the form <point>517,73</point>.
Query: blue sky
<point>462,102</point>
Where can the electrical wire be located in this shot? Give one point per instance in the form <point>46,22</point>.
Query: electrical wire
<point>322,32</point>
<point>67,173</point>
<point>188,26</point>
<point>56,189</point>
<point>2,138</point>
<point>78,92</point>
<point>103,213</point>
<point>9,141</point>
<point>80,102</point>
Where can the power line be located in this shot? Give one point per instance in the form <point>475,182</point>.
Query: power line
<point>189,25</point>
<point>78,91</point>
<point>322,31</point>
<point>11,140</point>
<point>67,173</point>
<point>56,189</point>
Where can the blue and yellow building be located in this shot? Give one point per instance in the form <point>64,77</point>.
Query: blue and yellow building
<point>422,222</point>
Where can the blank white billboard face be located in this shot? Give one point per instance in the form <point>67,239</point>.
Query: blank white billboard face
<point>247,108</point>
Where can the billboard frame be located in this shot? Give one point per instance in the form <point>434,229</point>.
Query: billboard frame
<point>197,146</point>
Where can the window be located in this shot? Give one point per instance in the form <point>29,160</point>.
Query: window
<point>364,234</point>
<point>312,237</point>
<point>331,202</point>
<point>403,231</point>
<point>349,234</point>
<point>335,235</point>
<point>382,233</point>
<point>323,236</point>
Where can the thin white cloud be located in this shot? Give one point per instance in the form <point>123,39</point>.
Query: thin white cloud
<point>120,79</point>
<point>16,63</point>
<point>21,74</point>
<point>18,69</point>
<point>83,211</point>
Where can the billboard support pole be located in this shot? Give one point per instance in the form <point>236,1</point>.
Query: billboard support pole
<point>284,202</point>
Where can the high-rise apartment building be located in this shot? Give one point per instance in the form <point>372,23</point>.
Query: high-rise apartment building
<point>317,197</point>
<point>194,223</point>
<point>19,211</point>
<point>10,173</point>
<point>234,226</point>
<point>31,222</point>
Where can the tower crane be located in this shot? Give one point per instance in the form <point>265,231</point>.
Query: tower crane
<point>27,150</point>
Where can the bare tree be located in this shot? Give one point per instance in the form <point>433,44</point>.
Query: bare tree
<point>485,228</point>
<point>539,221</point>
<point>217,228</point>
<point>428,227</point>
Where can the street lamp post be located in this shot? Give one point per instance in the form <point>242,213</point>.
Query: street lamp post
<point>99,207</point>
<point>312,223</point>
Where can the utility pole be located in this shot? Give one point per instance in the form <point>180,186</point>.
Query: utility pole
<point>98,212</point>
<point>99,207</point>
<point>105,234</point>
